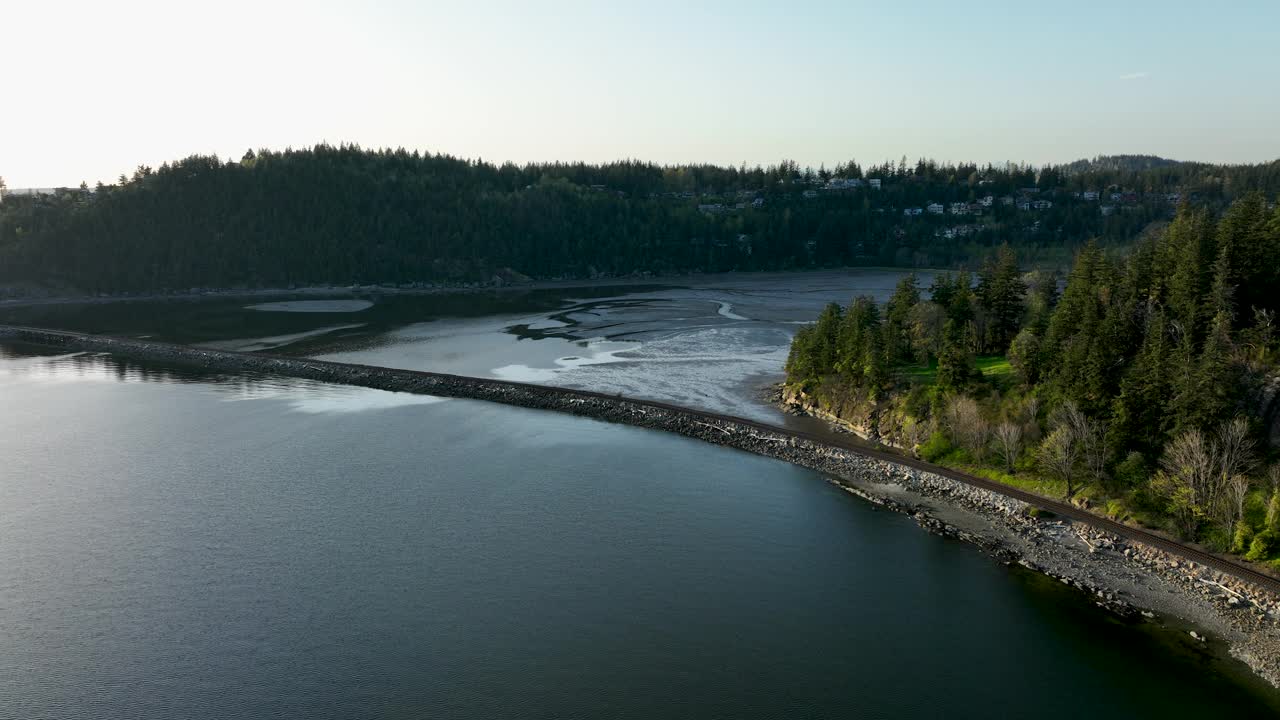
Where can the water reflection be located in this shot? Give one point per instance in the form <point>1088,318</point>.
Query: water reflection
<point>712,343</point>
<point>26,363</point>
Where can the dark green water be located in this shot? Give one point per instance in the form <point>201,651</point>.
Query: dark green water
<point>212,548</point>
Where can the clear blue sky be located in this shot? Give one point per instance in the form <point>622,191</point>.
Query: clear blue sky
<point>93,89</point>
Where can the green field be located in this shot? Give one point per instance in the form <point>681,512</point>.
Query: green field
<point>993,367</point>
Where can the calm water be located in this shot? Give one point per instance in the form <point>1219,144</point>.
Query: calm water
<point>207,547</point>
<point>711,345</point>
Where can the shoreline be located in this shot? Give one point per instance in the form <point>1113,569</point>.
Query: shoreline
<point>352,291</point>
<point>1124,575</point>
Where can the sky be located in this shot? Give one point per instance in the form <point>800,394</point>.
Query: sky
<point>90,90</point>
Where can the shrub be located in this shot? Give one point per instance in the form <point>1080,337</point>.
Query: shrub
<point>1273,512</point>
<point>936,447</point>
<point>1132,472</point>
<point>1260,546</point>
<point>1024,356</point>
<point>1243,537</point>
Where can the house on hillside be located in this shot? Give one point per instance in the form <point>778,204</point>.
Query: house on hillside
<point>959,208</point>
<point>874,183</point>
<point>843,184</point>
<point>936,208</point>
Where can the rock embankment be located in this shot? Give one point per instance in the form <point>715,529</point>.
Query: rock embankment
<point>1120,574</point>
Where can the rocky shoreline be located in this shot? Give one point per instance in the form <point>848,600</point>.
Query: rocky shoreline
<point>1124,576</point>
<point>1131,579</point>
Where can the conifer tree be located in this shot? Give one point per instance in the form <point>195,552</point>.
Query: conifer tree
<point>1139,412</point>
<point>1000,292</point>
<point>897,320</point>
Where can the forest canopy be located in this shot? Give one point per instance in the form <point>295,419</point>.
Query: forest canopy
<point>343,215</point>
<point>1146,384</point>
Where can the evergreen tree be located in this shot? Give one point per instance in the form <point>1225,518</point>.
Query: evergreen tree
<point>1000,292</point>
<point>1248,257</point>
<point>1139,414</point>
<point>1043,300</point>
<point>862,361</point>
<point>897,320</point>
<point>956,369</point>
<point>1187,256</point>
<point>1071,359</point>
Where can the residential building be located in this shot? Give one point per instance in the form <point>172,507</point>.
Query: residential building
<point>936,208</point>
<point>843,184</point>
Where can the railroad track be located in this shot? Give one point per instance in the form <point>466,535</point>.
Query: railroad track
<point>358,374</point>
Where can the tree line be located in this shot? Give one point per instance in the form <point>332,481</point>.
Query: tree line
<point>344,215</point>
<point>1144,383</point>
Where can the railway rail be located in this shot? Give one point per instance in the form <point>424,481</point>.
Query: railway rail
<point>382,377</point>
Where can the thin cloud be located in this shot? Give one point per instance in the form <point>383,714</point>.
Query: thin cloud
<point>1135,75</point>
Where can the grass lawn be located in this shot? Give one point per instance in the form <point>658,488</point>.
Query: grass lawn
<point>995,368</point>
<point>925,374</point>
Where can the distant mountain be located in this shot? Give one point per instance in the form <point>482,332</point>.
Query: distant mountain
<point>1120,163</point>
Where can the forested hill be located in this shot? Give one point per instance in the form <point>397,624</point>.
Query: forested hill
<point>1149,386</point>
<point>343,215</point>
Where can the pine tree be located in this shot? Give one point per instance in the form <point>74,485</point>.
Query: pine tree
<point>1042,302</point>
<point>1070,360</point>
<point>1139,411</point>
<point>1187,255</point>
<point>825,348</point>
<point>1247,256</point>
<point>956,369</point>
<point>861,355</point>
<point>1000,293</point>
<point>897,320</point>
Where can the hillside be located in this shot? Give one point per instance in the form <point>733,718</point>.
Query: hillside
<point>342,215</point>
